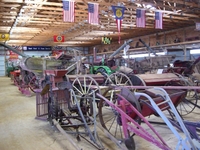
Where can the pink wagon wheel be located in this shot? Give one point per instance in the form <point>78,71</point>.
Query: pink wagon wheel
<point>110,119</point>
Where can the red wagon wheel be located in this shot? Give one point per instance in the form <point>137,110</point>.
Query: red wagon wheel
<point>189,102</point>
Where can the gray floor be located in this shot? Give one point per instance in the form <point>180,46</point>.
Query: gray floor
<point>19,130</point>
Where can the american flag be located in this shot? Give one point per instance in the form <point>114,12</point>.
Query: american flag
<point>140,18</point>
<point>197,26</point>
<point>158,20</point>
<point>68,11</point>
<point>93,13</point>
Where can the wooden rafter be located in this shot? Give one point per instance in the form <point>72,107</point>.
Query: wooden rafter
<point>34,22</point>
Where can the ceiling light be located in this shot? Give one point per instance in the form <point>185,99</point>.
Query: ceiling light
<point>195,51</point>
<point>143,55</point>
<point>148,6</point>
<point>138,5</point>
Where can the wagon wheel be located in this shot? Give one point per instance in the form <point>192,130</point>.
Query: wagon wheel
<point>118,79</point>
<point>189,102</point>
<point>110,119</point>
<point>53,110</point>
<point>29,79</point>
<point>136,81</point>
<point>85,87</point>
<point>33,83</point>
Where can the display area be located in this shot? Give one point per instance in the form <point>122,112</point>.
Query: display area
<point>105,75</point>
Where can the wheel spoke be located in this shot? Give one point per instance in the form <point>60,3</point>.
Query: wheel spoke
<point>80,85</point>
<point>120,79</point>
<point>89,86</point>
<point>83,89</point>
<point>84,85</point>
<point>75,88</point>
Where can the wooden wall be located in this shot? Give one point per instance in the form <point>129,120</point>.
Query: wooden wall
<point>160,38</point>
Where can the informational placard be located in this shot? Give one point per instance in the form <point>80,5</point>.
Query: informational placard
<point>37,48</point>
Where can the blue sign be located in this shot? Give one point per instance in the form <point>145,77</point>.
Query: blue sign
<point>37,48</point>
<point>118,12</point>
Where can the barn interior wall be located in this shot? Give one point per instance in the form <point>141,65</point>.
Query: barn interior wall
<point>160,38</point>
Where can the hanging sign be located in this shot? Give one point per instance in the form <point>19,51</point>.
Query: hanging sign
<point>4,37</point>
<point>37,48</point>
<point>119,13</point>
<point>58,38</point>
<point>106,40</point>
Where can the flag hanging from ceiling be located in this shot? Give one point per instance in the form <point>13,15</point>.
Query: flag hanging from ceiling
<point>197,26</point>
<point>58,38</point>
<point>4,37</point>
<point>68,11</point>
<point>158,20</point>
<point>140,18</point>
<point>119,13</point>
<point>93,13</point>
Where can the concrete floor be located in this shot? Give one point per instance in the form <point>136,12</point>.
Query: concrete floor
<point>19,130</point>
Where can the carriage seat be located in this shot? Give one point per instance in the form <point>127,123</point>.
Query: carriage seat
<point>130,96</point>
<point>154,93</point>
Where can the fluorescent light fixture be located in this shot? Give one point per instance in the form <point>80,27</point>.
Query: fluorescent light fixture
<point>143,55</point>
<point>195,51</point>
<point>148,6</point>
<point>136,56</point>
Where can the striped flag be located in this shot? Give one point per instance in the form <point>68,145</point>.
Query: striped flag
<point>68,11</point>
<point>197,26</point>
<point>93,13</point>
<point>158,20</point>
<point>140,18</point>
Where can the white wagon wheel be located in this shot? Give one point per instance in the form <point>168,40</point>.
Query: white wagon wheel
<point>85,88</point>
<point>118,79</point>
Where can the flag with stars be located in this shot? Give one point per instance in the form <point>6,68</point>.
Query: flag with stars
<point>140,18</point>
<point>68,11</point>
<point>93,13</point>
<point>158,20</point>
<point>119,14</point>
